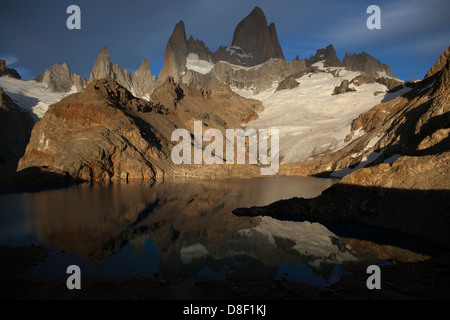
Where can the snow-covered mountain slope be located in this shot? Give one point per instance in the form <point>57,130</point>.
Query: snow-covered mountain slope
<point>31,95</point>
<point>310,119</point>
<point>198,65</point>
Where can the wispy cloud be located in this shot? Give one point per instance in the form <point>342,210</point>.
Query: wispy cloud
<point>10,59</point>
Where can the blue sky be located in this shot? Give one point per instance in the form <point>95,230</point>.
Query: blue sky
<point>34,34</point>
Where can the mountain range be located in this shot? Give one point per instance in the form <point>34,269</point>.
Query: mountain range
<point>116,125</point>
<point>190,61</point>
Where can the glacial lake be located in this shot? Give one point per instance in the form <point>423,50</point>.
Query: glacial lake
<point>177,230</point>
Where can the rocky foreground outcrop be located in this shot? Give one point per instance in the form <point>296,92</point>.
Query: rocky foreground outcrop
<point>105,133</point>
<point>15,130</point>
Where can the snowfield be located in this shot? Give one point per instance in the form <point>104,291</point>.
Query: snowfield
<point>201,66</point>
<point>309,118</point>
<point>31,95</point>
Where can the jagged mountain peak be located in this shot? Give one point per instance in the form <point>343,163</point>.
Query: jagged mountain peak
<point>59,78</point>
<point>140,83</point>
<point>145,65</point>
<point>179,33</point>
<point>327,54</point>
<point>255,37</point>
<point>257,11</point>
<point>367,63</point>
<point>104,52</point>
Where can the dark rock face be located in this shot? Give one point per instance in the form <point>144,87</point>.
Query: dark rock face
<point>255,37</point>
<point>5,71</point>
<point>15,130</point>
<point>366,63</point>
<point>363,78</point>
<point>328,54</point>
<point>343,88</point>
<point>390,83</point>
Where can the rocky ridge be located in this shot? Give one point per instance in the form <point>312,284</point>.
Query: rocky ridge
<point>365,62</point>
<point>328,55</point>
<point>140,83</point>
<point>5,71</point>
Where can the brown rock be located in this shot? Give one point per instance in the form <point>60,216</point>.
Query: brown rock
<point>343,88</point>
<point>288,83</point>
<point>423,173</point>
<point>439,64</point>
<point>392,84</point>
<point>104,133</point>
<point>175,55</point>
<point>5,71</point>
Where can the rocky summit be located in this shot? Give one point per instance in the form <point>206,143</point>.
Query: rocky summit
<point>256,38</point>
<point>328,55</point>
<point>140,83</point>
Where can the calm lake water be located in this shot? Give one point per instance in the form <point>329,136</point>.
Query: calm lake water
<point>172,230</point>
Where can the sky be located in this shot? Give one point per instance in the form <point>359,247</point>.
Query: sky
<point>34,34</point>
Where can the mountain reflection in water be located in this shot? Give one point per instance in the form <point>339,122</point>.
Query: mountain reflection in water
<point>184,229</point>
